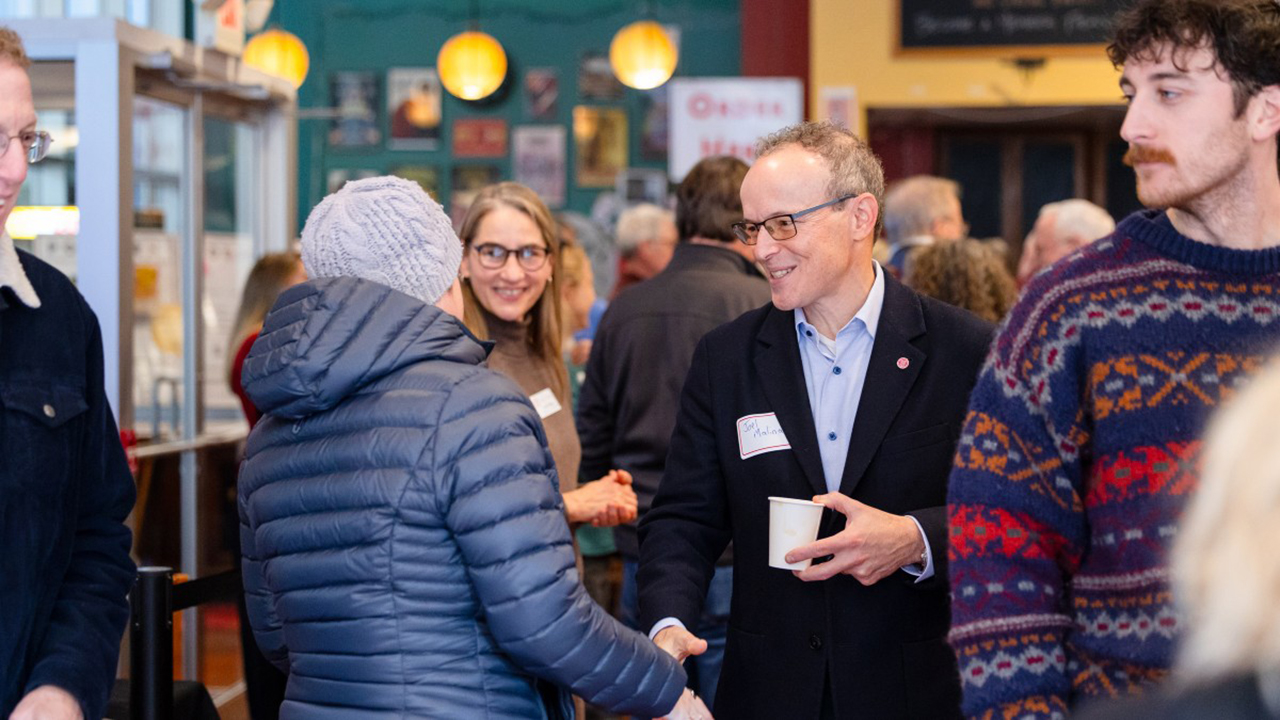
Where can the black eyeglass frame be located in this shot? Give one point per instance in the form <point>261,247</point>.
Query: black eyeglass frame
<point>740,228</point>
<point>36,151</point>
<point>524,255</point>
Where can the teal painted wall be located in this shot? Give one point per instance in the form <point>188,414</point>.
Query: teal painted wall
<point>374,35</point>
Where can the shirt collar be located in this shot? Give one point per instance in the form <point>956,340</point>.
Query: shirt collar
<point>12,274</point>
<point>911,242</point>
<point>869,313</point>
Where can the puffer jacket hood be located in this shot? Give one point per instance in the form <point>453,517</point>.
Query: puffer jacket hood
<point>318,345</point>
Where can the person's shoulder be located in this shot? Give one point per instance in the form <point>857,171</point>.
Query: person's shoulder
<point>744,327</point>
<point>50,284</point>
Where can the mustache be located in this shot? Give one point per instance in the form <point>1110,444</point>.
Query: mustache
<point>1146,154</point>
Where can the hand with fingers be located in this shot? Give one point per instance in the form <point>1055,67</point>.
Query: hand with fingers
<point>689,707</point>
<point>873,545</point>
<point>49,702</point>
<point>679,643</point>
<point>605,502</point>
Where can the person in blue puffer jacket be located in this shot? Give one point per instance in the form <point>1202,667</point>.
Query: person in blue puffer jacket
<point>405,549</point>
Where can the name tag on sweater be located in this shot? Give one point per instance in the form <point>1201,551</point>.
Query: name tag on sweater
<point>759,434</point>
<point>545,402</point>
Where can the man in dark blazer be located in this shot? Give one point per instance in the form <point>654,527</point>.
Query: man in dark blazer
<point>860,386</point>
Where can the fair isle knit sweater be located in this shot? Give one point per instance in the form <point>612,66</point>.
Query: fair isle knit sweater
<point>1078,454</point>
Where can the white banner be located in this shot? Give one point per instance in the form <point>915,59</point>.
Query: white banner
<point>725,116</point>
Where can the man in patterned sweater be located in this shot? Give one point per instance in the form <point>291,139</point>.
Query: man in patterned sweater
<point>1081,442</point>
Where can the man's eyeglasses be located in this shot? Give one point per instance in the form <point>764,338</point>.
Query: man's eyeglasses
<point>530,257</point>
<point>35,143</point>
<point>780,227</point>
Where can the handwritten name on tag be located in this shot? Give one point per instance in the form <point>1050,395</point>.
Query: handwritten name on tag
<point>545,402</point>
<point>759,434</point>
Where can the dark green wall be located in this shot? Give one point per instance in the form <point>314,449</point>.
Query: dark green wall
<point>379,34</point>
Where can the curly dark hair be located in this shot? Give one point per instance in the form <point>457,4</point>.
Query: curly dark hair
<point>1244,36</point>
<point>969,274</point>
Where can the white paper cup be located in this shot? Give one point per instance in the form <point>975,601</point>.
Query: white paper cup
<point>792,523</point>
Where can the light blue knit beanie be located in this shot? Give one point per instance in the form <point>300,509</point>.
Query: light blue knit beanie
<point>387,230</point>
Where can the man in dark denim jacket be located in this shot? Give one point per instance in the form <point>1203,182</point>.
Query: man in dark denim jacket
<point>65,488</point>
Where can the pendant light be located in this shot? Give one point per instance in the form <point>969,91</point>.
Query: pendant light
<point>472,64</point>
<point>642,55</point>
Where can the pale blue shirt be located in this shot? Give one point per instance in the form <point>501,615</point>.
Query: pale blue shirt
<point>834,372</point>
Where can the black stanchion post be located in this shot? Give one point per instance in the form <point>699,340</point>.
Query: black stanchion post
<point>151,643</point>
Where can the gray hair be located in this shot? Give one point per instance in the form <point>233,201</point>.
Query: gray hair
<point>854,168</point>
<point>641,223</point>
<point>1078,222</point>
<point>913,204</point>
<point>1226,575</point>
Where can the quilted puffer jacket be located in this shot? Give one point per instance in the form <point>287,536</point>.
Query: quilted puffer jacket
<point>406,553</point>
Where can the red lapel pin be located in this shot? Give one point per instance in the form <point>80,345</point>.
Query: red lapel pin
<point>903,363</point>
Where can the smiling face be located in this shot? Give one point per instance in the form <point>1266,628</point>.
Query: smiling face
<point>1186,144</point>
<point>17,115</point>
<point>511,291</point>
<point>821,263</point>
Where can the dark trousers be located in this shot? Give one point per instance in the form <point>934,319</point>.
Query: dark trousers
<point>264,683</point>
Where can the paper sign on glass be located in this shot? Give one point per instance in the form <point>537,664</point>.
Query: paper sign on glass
<point>758,434</point>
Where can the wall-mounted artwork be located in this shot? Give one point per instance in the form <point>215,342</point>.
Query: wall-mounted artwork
<point>355,97</point>
<point>468,180</point>
<point>480,138</point>
<point>600,139</point>
<point>425,175</point>
<point>413,106</point>
<point>338,177</point>
<point>596,80</point>
<point>540,157</point>
<point>541,93</point>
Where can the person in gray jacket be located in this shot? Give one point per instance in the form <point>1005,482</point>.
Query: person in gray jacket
<point>405,550</point>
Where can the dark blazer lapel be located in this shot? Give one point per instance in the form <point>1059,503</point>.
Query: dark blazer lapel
<point>781,374</point>
<point>886,385</point>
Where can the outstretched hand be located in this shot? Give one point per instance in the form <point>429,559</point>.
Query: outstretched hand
<point>679,643</point>
<point>873,545</point>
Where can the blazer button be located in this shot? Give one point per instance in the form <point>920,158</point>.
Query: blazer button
<point>815,642</point>
<point>49,412</point>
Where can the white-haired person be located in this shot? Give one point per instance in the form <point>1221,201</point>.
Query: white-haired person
<point>1061,228</point>
<point>1226,573</point>
<point>919,211</point>
<point>646,239</point>
<point>405,550</point>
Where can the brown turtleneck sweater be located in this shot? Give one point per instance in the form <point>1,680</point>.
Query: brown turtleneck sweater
<point>513,356</point>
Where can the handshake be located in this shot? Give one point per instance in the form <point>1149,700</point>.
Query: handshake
<point>680,644</point>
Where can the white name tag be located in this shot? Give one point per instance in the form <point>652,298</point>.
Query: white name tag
<point>759,434</point>
<point>545,402</point>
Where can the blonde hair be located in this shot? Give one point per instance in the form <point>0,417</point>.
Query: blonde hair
<point>544,328</point>
<point>574,265</point>
<point>1226,574</point>
<point>268,278</point>
<point>12,50</point>
<point>965,273</point>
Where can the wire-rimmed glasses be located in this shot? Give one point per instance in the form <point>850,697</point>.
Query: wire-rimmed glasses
<point>780,227</point>
<point>35,143</point>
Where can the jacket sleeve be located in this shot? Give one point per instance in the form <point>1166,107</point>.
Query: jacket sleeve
<point>595,416</point>
<point>268,631</point>
<point>687,529</point>
<point>1018,530</point>
<point>494,478</point>
<point>80,650</point>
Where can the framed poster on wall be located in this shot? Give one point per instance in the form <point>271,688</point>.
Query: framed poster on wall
<point>725,116</point>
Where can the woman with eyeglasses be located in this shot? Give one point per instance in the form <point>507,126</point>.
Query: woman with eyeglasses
<point>511,254</point>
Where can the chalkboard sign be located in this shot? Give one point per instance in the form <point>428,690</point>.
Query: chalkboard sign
<point>1001,26</point>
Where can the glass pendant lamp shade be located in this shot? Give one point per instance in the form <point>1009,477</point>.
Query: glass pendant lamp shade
<point>642,55</point>
<point>280,53</point>
<point>472,65</point>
